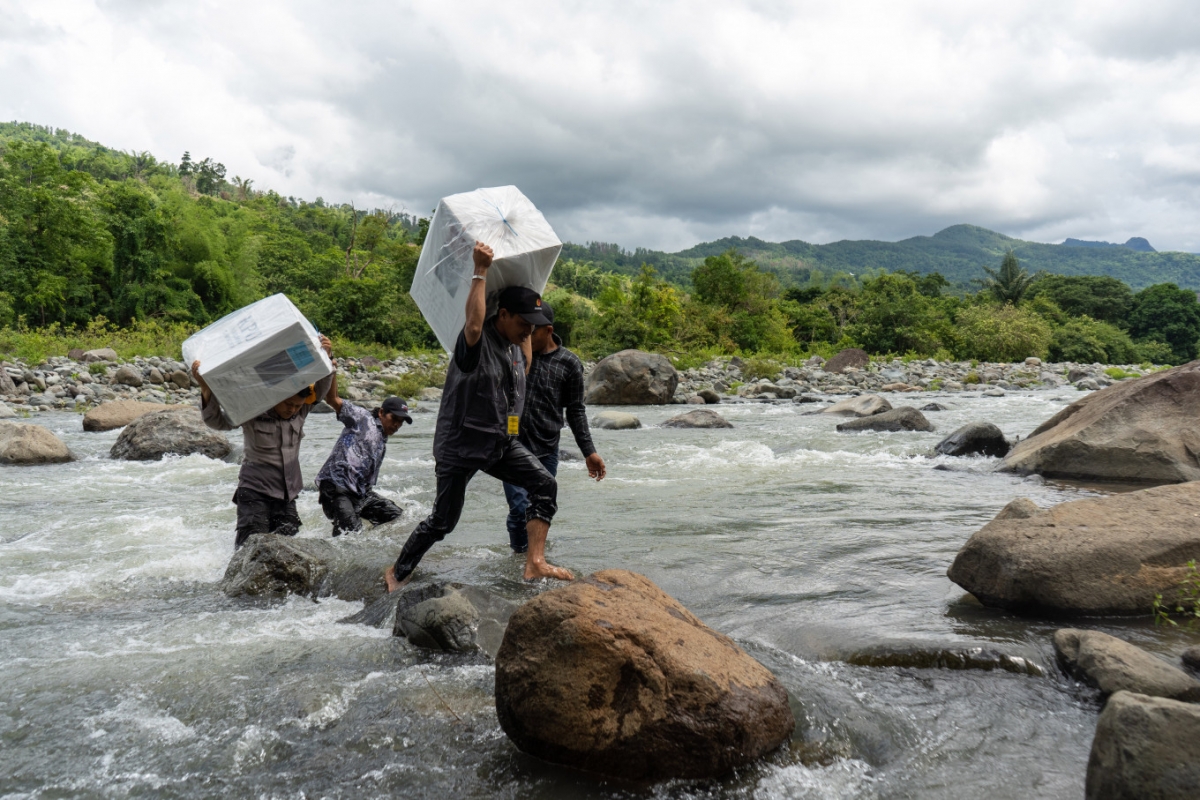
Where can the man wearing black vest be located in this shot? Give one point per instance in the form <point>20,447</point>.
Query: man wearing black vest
<point>479,422</point>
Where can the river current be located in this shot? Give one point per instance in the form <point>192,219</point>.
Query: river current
<point>125,672</point>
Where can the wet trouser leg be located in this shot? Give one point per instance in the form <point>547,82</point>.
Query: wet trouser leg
<point>378,510</point>
<point>260,513</point>
<point>341,507</point>
<point>447,508</point>
<point>518,507</point>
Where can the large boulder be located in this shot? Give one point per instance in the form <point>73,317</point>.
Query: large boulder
<point>613,676</point>
<point>700,418</point>
<point>1100,555</point>
<point>177,430</point>
<point>1145,747</point>
<point>1135,430</point>
<point>452,616</point>
<point>616,421</point>
<point>117,414</point>
<point>102,354</point>
<point>127,376</point>
<point>24,444</point>
<point>905,418</point>
<point>632,378</point>
<point>1113,665</point>
<point>864,405</point>
<point>850,357</point>
<point>975,439</point>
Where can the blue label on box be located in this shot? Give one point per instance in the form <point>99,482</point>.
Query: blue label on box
<point>300,354</point>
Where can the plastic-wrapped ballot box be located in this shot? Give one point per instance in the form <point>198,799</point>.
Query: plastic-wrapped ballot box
<point>258,356</point>
<point>524,246</point>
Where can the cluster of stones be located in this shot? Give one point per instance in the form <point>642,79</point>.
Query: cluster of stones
<point>724,376</point>
<point>85,379</point>
<point>367,379</point>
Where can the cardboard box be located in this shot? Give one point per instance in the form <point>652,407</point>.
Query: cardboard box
<point>258,356</point>
<point>525,248</point>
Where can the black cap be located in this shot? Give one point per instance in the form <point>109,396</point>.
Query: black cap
<point>397,408</point>
<point>524,301</point>
<point>548,313</point>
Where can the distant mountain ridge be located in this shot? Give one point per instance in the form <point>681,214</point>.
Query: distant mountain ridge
<point>959,252</point>
<point>1134,243</point>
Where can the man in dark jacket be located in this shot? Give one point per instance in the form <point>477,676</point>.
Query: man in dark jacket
<point>554,383</point>
<point>479,422</point>
<point>347,479</point>
<point>269,479</point>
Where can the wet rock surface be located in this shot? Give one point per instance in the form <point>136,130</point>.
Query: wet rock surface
<point>1112,665</point>
<point>1145,747</point>
<point>613,676</point>
<point>26,444</point>
<point>919,657</point>
<point>700,418</point>
<point>864,406</point>
<point>117,414</point>
<point>1104,555</point>
<point>175,431</point>
<point>453,617</point>
<point>905,418</point>
<point>616,421</point>
<point>975,439</point>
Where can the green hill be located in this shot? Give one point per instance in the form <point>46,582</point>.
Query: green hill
<point>959,252</point>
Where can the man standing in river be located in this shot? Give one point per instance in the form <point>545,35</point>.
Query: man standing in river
<point>269,479</point>
<point>554,383</point>
<point>479,422</point>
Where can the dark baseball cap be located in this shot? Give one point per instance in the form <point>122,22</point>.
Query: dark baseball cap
<point>524,301</point>
<point>397,408</point>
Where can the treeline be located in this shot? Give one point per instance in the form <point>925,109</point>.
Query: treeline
<point>91,236</point>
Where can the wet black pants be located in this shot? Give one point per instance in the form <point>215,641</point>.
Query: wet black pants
<point>348,510</point>
<point>261,513</point>
<point>516,465</point>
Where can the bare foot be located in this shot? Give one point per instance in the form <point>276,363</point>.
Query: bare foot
<point>389,577</point>
<point>544,569</point>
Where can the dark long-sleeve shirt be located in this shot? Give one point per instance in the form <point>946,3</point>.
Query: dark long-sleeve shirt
<point>555,383</point>
<point>271,447</point>
<point>353,466</point>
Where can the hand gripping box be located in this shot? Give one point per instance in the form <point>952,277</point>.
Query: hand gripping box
<point>258,356</point>
<point>524,245</point>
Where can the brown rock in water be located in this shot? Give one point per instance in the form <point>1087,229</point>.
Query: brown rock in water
<point>1101,555</point>
<point>1113,665</point>
<point>117,414</point>
<point>700,418</point>
<point>611,675</point>
<point>850,357</point>
<point>173,430</point>
<point>23,443</point>
<point>1145,747</point>
<point>904,418</point>
<point>632,377</point>
<point>862,406</point>
<point>1136,430</point>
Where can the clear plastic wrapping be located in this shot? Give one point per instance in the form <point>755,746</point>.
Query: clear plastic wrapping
<point>258,356</point>
<point>524,245</point>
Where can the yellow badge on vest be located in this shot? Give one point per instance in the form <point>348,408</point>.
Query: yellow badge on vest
<point>514,425</point>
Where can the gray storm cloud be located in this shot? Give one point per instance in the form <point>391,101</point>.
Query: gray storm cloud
<point>660,124</point>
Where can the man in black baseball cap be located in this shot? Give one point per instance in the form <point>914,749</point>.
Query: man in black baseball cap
<point>346,483</point>
<point>479,422</point>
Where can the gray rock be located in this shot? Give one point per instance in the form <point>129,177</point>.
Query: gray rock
<point>451,616</point>
<point>632,377</point>
<point>127,376</point>
<point>1095,556</point>
<point>1145,747</point>
<point>27,444</point>
<point>850,357</point>
<point>975,438</point>
<point>272,566</point>
<point>695,400</point>
<point>430,394</point>
<point>102,354</point>
<point>181,379</point>
<point>1076,373</point>
<point>7,386</point>
<point>1089,384</point>
<point>1113,665</point>
<point>700,418</point>
<point>75,354</point>
<point>993,393</point>
<point>615,421</point>
<point>933,407</point>
<point>156,377</point>
<point>806,398</point>
<point>41,400</point>
<point>117,414</point>
<point>1191,657</point>
<point>321,407</point>
<point>6,412</point>
<point>954,657</point>
<point>905,418</point>
<point>709,396</point>
<point>862,406</point>
<point>176,430</point>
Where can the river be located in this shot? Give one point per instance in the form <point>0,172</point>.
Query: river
<point>124,671</point>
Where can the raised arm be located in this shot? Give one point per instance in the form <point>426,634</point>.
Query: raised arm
<point>477,296</point>
<point>331,397</point>
<point>210,407</point>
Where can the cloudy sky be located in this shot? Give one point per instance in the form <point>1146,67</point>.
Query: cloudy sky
<point>657,124</point>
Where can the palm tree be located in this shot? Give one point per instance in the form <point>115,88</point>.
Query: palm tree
<point>1010,283</point>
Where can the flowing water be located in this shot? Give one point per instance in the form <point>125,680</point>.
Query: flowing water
<point>124,671</point>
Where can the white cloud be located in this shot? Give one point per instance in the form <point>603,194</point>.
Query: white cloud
<point>655,124</point>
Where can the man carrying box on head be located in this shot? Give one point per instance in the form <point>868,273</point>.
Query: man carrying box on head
<point>269,479</point>
<point>479,422</point>
<point>554,383</point>
<point>346,480</point>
